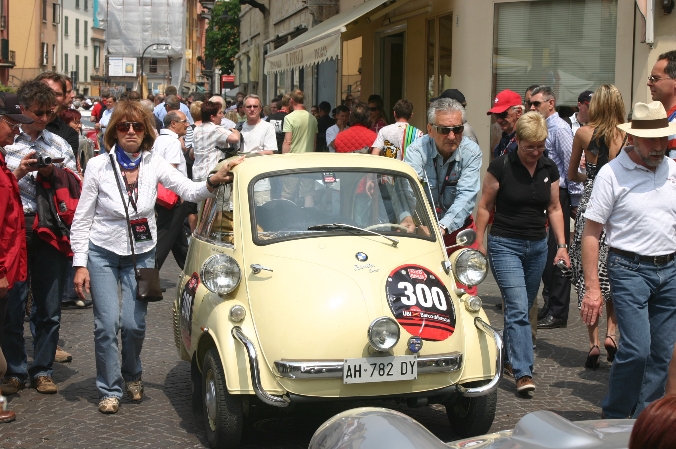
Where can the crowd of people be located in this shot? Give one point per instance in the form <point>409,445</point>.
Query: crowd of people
<point>610,176</point>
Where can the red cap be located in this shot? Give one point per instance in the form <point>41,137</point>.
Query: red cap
<point>505,100</point>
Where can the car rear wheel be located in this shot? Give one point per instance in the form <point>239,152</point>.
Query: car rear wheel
<point>223,413</point>
<point>470,417</point>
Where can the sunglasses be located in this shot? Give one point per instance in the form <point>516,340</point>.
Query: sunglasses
<point>251,106</point>
<point>536,103</point>
<point>655,79</point>
<point>123,127</point>
<point>14,126</point>
<point>445,130</point>
<point>503,115</point>
<point>41,113</point>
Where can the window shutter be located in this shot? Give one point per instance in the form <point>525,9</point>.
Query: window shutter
<point>566,44</point>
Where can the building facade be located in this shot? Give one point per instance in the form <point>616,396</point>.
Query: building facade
<point>75,34</point>
<point>7,57</point>
<point>415,49</point>
<point>33,37</point>
<point>97,66</point>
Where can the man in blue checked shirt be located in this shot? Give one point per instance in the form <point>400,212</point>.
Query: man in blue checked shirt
<point>48,268</point>
<point>559,146</point>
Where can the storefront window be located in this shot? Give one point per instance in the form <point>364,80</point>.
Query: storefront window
<point>566,44</point>
<point>439,55</point>
<point>351,71</point>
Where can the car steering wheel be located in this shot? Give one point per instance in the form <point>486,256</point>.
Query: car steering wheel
<point>391,225</point>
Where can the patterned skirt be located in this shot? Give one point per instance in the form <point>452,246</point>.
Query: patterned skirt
<point>576,251</point>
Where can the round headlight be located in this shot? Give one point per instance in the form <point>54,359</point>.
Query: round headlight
<point>383,333</point>
<point>472,303</point>
<point>237,313</point>
<point>220,274</point>
<point>470,267</point>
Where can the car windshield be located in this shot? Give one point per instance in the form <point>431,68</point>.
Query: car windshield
<point>310,204</point>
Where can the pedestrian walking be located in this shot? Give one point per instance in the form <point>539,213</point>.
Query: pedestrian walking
<point>506,110</point>
<point>522,187</point>
<point>359,137</point>
<point>13,256</point>
<point>300,127</point>
<point>599,141</point>
<point>633,199</point>
<point>377,117</point>
<point>559,146</point>
<point>662,84</point>
<point>258,136</point>
<point>105,261</point>
<point>455,94</point>
<point>209,140</point>
<point>342,118</point>
<point>50,266</point>
<point>393,139</point>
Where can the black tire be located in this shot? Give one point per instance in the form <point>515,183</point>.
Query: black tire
<point>224,423</point>
<point>196,388</point>
<point>470,417</point>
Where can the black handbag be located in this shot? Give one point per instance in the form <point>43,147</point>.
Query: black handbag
<point>147,279</point>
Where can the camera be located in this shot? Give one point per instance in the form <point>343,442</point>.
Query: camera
<point>44,160</point>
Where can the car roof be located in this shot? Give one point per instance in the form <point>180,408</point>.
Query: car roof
<point>254,165</point>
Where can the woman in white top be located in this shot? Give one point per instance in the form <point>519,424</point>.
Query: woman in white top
<point>102,252</point>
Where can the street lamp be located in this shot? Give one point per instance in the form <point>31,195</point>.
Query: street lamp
<point>166,47</point>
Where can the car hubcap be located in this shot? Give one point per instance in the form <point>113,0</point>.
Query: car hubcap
<point>210,399</point>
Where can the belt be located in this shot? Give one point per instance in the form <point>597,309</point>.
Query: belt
<point>657,260</point>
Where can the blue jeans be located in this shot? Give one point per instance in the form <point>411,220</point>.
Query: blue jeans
<point>107,272</point>
<point>48,269</point>
<point>644,296</point>
<point>517,267</point>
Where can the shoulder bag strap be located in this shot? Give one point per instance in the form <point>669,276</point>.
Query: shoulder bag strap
<point>126,212</point>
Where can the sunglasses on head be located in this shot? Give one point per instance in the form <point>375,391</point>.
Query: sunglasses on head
<point>123,127</point>
<point>40,113</point>
<point>445,130</point>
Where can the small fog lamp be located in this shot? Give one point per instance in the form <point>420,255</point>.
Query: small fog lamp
<point>472,303</point>
<point>237,313</point>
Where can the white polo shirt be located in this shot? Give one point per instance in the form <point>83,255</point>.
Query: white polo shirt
<point>637,206</point>
<point>169,148</point>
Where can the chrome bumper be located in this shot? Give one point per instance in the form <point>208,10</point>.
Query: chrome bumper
<point>277,401</point>
<point>485,389</point>
<point>333,369</point>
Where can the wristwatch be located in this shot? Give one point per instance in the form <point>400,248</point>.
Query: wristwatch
<point>562,245</point>
<point>210,184</point>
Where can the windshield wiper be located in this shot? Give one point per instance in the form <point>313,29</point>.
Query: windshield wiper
<point>342,226</point>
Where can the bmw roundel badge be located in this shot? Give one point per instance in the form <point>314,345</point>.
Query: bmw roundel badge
<point>361,257</point>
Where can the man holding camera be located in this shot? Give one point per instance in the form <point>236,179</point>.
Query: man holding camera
<point>48,267</point>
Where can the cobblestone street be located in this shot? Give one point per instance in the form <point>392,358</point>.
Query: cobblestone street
<point>164,419</point>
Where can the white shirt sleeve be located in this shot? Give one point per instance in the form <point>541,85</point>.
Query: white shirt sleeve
<point>380,141</point>
<point>331,134</point>
<point>270,139</point>
<point>84,214</point>
<point>172,179</point>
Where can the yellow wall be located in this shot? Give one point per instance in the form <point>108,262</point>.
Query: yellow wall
<point>26,34</point>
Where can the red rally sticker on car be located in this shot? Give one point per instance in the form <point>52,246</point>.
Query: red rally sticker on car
<point>420,302</point>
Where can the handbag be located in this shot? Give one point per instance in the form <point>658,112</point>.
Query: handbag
<point>165,197</point>
<point>147,279</point>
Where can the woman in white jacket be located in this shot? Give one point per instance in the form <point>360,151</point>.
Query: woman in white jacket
<point>102,252</point>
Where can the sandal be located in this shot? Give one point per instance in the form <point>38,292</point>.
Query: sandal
<point>611,350</point>
<point>592,361</point>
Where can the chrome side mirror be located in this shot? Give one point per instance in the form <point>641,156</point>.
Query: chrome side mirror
<point>466,237</point>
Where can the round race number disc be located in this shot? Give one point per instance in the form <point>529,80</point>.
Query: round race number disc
<point>420,303</point>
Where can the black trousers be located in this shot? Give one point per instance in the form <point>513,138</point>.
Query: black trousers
<point>170,236</point>
<point>554,281</point>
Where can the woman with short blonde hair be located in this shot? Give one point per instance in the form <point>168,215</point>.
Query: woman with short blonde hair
<point>522,188</point>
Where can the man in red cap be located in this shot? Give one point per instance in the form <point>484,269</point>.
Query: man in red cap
<point>507,108</point>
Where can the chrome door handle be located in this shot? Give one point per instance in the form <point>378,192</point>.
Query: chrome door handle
<point>255,268</point>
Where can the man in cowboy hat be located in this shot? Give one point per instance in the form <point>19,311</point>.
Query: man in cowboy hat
<point>633,198</point>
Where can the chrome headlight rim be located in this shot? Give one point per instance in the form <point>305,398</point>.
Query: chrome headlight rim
<point>212,261</point>
<point>459,277</point>
<point>372,341</point>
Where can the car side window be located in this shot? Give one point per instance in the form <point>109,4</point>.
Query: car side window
<point>216,220</point>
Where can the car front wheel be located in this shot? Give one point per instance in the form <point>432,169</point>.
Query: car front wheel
<point>474,416</point>
<point>223,413</point>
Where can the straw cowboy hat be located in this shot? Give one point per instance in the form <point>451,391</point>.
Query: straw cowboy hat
<point>649,120</point>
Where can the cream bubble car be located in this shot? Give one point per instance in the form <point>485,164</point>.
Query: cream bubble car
<point>323,277</point>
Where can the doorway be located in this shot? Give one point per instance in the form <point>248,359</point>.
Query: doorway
<point>392,71</point>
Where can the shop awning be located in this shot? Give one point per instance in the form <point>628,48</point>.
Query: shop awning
<point>318,44</point>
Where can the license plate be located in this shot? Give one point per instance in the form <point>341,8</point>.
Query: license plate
<point>380,369</point>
